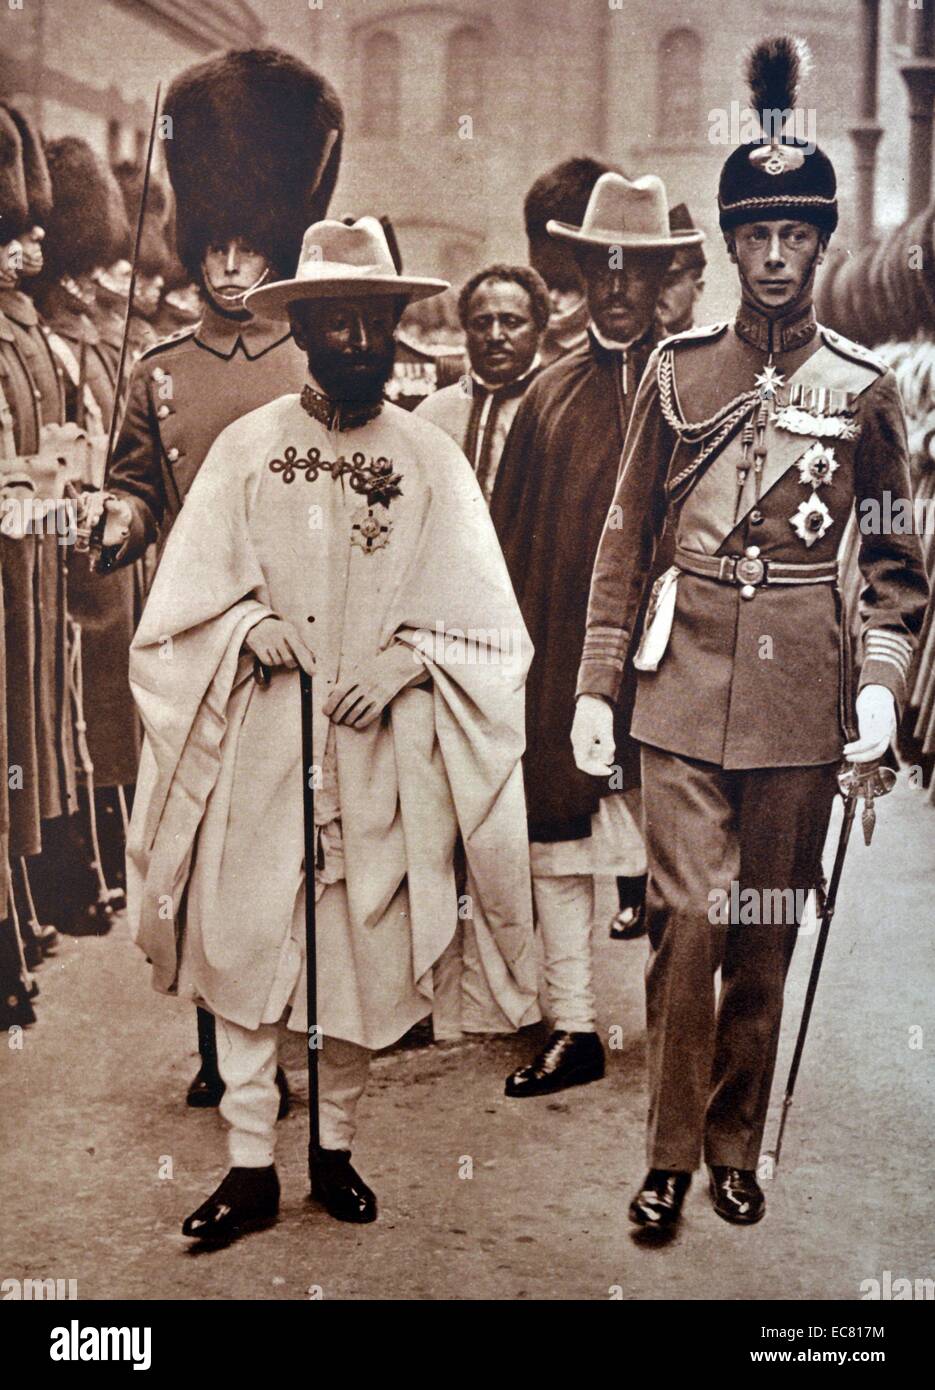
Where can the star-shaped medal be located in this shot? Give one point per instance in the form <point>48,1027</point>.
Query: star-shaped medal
<point>817,465</point>
<point>769,382</point>
<point>811,520</point>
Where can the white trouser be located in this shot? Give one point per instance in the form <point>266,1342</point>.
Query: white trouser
<point>462,1000</point>
<point>565,911</point>
<point>247,1059</point>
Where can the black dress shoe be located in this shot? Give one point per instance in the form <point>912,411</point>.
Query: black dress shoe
<point>568,1059</point>
<point>247,1200</point>
<point>629,924</point>
<point>340,1189</point>
<point>658,1204</point>
<point>737,1196</point>
<point>207,1088</point>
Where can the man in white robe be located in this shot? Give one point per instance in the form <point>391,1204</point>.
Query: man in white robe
<point>335,532</point>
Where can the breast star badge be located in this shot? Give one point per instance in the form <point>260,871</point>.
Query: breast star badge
<point>817,465</point>
<point>768,382</point>
<point>811,520</point>
<point>369,531</point>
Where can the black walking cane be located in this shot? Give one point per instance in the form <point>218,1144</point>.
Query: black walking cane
<point>261,675</point>
<point>868,780</point>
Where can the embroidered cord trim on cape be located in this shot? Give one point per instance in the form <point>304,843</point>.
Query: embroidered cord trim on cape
<point>374,480</point>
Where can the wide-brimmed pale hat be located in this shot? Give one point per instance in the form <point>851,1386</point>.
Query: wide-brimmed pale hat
<point>338,261</point>
<point>631,214</point>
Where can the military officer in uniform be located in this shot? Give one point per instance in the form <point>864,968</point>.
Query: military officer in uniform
<point>259,110</point>
<point>757,439</point>
<point>41,418</point>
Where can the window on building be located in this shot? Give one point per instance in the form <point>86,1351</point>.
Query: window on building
<point>381,85</point>
<point>679,87</point>
<point>464,78</point>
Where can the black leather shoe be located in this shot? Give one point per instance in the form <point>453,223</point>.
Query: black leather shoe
<point>207,1088</point>
<point>737,1196</point>
<point>568,1059</point>
<point>340,1189</point>
<point>247,1200</point>
<point>629,924</point>
<point>658,1204</point>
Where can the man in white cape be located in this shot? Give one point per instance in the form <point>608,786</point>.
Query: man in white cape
<point>335,532</point>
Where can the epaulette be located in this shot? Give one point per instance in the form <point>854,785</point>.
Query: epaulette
<point>700,333</point>
<point>165,343</point>
<point>855,352</point>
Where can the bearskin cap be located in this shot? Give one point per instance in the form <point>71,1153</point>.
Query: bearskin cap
<point>88,225</point>
<point>154,252</point>
<point>779,175</point>
<point>562,193</point>
<point>253,151</point>
<point>35,169</point>
<point>14,208</point>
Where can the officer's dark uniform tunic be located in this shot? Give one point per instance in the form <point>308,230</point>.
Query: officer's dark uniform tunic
<point>743,722</point>
<point>183,393</point>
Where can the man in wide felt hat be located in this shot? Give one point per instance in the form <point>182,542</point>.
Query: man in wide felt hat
<point>754,442</point>
<point>334,531</point>
<point>553,488</point>
<point>253,158</point>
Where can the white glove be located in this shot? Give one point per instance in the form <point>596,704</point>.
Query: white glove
<point>876,721</point>
<point>592,736</point>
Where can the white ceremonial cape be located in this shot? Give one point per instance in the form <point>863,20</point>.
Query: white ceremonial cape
<point>215,874</point>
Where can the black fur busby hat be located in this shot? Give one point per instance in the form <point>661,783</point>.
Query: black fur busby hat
<point>778,175</point>
<point>35,169</point>
<point>14,208</point>
<point>88,224</point>
<point>154,251</point>
<point>562,193</point>
<point>253,151</point>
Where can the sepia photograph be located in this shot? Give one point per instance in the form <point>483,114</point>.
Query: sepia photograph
<point>467,670</point>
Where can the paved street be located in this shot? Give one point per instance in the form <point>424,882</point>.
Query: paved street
<point>92,1111</point>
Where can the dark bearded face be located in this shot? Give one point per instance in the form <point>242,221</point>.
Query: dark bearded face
<point>349,343</point>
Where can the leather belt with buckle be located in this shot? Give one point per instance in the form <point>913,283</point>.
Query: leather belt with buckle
<point>750,572</point>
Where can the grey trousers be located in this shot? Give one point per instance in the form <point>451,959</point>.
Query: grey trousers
<point>711,1060</point>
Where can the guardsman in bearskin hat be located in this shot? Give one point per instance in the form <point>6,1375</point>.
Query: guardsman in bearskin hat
<point>20,829</point>
<point>758,438</point>
<point>561,194</point>
<point>151,263</point>
<point>85,229</point>
<point>253,149</point>
<point>54,738</point>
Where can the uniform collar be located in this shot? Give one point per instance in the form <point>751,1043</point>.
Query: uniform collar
<point>776,333</point>
<point>19,307</point>
<point>222,335</point>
